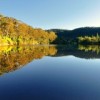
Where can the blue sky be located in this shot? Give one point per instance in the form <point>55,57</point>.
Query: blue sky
<point>47,14</point>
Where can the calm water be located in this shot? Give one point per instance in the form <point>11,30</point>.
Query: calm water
<point>50,73</point>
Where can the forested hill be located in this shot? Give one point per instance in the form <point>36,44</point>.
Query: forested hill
<point>15,32</point>
<point>84,31</point>
<point>89,34</point>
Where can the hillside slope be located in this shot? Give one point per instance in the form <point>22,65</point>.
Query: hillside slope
<point>15,32</point>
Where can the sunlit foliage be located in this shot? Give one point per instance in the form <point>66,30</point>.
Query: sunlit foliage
<point>15,32</point>
<point>89,39</point>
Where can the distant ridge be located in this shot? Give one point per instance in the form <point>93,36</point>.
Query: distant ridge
<point>82,31</point>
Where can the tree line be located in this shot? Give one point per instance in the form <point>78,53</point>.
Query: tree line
<point>89,39</point>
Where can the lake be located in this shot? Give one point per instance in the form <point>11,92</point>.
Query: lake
<point>50,72</point>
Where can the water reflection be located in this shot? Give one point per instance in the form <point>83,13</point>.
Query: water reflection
<point>80,51</point>
<point>58,77</point>
<point>92,48</point>
<point>12,58</point>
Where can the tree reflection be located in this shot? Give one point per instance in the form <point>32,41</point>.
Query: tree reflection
<point>12,58</point>
<point>80,51</point>
<point>92,48</point>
